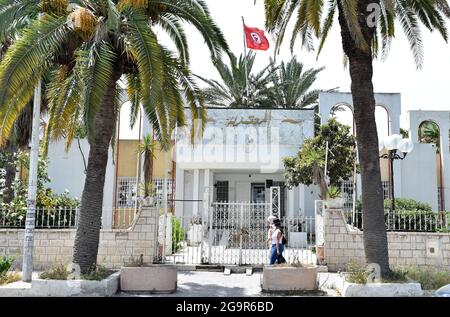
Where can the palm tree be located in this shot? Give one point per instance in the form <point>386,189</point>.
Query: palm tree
<point>232,92</point>
<point>292,85</point>
<point>147,149</point>
<point>429,133</point>
<point>365,34</point>
<point>87,50</point>
<point>21,135</point>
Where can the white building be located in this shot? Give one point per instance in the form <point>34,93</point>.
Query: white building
<point>240,155</point>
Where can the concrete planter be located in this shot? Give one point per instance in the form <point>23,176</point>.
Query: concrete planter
<point>152,278</point>
<point>382,290</point>
<point>335,203</point>
<point>348,289</point>
<point>288,278</point>
<point>59,288</point>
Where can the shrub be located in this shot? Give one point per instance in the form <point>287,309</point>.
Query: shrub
<point>177,234</point>
<point>430,278</point>
<point>356,273</point>
<point>10,278</point>
<point>5,265</point>
<point>99,273</point>
<point>407,204</point>
<point>59,272</point>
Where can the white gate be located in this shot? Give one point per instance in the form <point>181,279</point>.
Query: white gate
<point>235,233</point>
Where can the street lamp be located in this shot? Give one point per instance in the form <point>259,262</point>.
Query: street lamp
<point>393,144</point>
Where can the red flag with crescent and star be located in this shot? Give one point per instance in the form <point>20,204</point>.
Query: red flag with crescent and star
<point>255,38</point>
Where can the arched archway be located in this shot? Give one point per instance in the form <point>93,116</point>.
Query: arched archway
<point>383,121</point>
<point>343,113</point>
<point>430,132</point>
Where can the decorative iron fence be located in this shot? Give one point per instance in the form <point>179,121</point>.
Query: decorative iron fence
<point>127,189</point>
<point>233,233</point>
<point>403,220</point>
<point>46,218</point>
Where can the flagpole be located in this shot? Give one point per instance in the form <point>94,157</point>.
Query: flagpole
<point>245,61</point>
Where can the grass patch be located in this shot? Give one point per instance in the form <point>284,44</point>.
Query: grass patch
<point>430,278</point>
<point>10,278</point>
<point>58,272</point>
<point>396,276</point>
<point>356,273</point>
<point>99,273</point>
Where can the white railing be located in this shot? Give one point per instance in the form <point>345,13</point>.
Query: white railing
<point>123,218</point>
<point>127,189</point>
<point>400,220</point>
<point>48,218</point>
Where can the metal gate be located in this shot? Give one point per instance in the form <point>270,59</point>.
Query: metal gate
<point>233,233</point>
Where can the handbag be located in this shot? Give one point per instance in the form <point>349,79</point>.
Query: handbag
<point>280,259</point>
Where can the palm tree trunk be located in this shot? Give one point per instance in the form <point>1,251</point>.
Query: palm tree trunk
<point>90,217</point>
<point>148,171</point>
<point>361,72</point>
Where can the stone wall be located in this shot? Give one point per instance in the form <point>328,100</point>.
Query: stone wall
<point>116,247</point>
<point>344,242</point>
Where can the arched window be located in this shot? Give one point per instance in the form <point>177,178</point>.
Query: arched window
<point>344,114</point>
<point>429,132</point>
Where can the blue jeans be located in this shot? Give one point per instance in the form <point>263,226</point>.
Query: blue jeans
<point>273,253</point>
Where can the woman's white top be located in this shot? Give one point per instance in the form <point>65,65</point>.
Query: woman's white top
<point>274,236</point>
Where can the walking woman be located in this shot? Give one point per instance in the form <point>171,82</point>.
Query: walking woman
<point>276,236</point>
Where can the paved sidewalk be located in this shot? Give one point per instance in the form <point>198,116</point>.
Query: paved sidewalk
<point>216,284</point>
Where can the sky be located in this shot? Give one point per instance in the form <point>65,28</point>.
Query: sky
<point>427,89</point>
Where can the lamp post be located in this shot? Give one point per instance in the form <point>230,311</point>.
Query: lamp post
<point>394,144</point>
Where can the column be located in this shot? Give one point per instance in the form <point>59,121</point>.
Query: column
<point>301,199</point>
<point>291,204</point>
<point>179,192</point>
<point>195,195</point>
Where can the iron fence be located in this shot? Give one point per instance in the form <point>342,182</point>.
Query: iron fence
<point>402,220</point>
<point>233,233</point>
<point>46,218</point>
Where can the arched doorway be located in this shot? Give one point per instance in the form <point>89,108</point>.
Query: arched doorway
<point>430,132</point>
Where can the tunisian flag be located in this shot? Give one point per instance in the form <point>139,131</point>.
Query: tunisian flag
<point>255,38</point>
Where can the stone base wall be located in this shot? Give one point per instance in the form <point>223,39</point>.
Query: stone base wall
<point>344,243</point>
<point>116,247</point>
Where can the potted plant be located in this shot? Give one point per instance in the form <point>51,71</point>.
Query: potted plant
<point>147,195</point>
<point>195,231</point>
<point>137,276</point>
<point>289,277</point>
<point>334,198</point>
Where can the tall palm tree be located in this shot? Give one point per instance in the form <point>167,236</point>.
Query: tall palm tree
<point>292,85</point>
<point>365,34</point>
<point>88,46</point>
<point>232,92</point>
<point>147,149</point>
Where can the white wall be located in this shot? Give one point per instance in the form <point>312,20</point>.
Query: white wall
<point>442,119</point>
<point>419,176</point>
<point>66,171</point>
